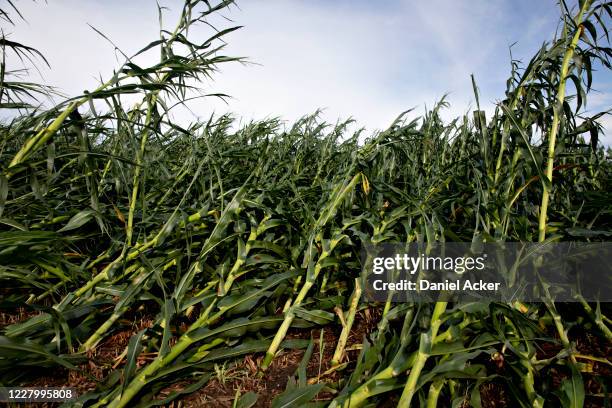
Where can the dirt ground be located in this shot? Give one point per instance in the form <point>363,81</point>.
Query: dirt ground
<point>244,375</point>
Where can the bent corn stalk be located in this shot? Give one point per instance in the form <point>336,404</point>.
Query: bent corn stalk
<point>313,271</point>
<point>557,112</point>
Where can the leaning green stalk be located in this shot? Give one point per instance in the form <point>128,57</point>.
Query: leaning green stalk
<point>289,316</point>
<point>130,118</point>
<point>399,365</point>
<point>185,341</point>
<point>550,305</point>
<point>140,380</point>
<point>529,383</point>
<point>137,249</point>
<point>425,346</point>
<point>346,329</point>
<point>597,318</point>
<point>105,274</point>
<point>120,309</point>
<point>327,213</point>
<point>44,135</point>
<point>557,112</point>
<point>137,170</point>
<point>242,256</point>
<point>434,393</point>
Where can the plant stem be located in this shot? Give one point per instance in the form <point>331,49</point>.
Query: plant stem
<point>137,170</point>
<point>557,112</point>
<point>425,345</point>
<point>434,392</point>
<point>339,352</point>
<point>597,320</point>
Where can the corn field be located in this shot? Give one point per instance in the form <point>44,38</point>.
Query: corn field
<point>145,262</point>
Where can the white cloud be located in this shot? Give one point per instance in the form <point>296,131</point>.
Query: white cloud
<point>369,61</point>
<point>77,54</point>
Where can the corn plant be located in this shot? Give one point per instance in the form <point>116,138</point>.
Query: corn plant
<point>228,238</point>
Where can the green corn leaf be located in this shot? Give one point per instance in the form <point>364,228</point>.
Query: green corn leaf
<point>246,400</point>
<point>321,317</point>
<point>297,396</point>
<point>133,351</point>
<point>78,220</point>
<point>571,392</point>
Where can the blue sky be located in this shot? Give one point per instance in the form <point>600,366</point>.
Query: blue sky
<point>369,60</point>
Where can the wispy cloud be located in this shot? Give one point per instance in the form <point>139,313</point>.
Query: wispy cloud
<point>360,59</point>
